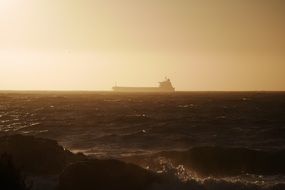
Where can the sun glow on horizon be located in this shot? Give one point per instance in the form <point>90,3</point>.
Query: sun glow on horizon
<point>90,45</point>
<point>8,6</point>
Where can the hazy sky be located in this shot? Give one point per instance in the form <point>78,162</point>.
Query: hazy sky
<point>91,44</point>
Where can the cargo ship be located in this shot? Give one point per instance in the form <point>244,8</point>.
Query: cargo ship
<point>164,86</point>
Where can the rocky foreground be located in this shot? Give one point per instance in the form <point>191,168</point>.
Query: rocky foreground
<point>33,163</point>
<point>46,165</point>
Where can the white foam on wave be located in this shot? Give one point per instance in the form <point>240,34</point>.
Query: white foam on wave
<point>184,178</point>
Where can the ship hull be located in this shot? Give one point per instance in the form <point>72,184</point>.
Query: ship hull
<point>141,89</point>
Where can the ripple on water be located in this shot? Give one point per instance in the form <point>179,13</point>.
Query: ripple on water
<point>5,121</point>
<point>34,124</point>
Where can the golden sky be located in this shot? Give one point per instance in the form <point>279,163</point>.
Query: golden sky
<point>91,44</point>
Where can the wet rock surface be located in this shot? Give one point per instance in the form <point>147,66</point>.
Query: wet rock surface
<point>107,175</point>
<point>36,156</point>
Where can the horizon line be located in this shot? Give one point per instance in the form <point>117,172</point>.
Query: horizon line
<point>90,91</point>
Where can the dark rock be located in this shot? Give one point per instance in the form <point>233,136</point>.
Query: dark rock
<point>36,155</point>
<point>10,177</point>
<point>106,175</point>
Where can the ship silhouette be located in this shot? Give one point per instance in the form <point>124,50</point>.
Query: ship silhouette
<point>164,86</point>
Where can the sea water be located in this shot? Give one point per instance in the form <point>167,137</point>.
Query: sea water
<point>141,127</point>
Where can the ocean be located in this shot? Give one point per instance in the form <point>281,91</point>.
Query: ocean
<point>233,137</point>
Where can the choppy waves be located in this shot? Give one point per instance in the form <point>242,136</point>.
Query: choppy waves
<point>219,167</point>
<point>206,140</point>
<point>220,161</point>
